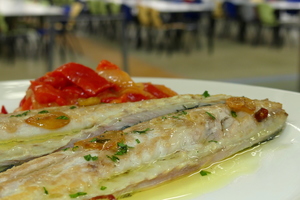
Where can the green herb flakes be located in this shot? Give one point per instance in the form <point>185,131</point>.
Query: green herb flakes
<point>75,148</point>
<point>204,173</point>
<point>233,114</point>
<point>137,141</point>
<point>113,158</point>
<point>143,131</point>
<point>103,188</point>
<point>126,195</point>
<point>77,194</point>
<point>213,141</point>
<point>73,107</point>
<point>21,115</point>
<point>123,148</point>
<point>43,111</point>
<point>45,190</point>
<point>206,94</point>
<point>101,141</point>
<point>63,117</point>
<point>90,158</point>
<point>211,115</point>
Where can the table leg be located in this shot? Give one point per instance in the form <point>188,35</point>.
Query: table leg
<point>51,45</point>
<point>277,40</point>
<point>124,45</point>
<point>211,32</point>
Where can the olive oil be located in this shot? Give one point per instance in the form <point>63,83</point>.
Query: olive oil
<point>195,185</point>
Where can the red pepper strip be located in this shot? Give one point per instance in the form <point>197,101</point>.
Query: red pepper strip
<point>26,103</point>
<point>56,79</point>
<point>73,93</point>
<point>85,78</point>
<point>3,110</point>
<point>149,87</point>
<point>104,64</point>
<point>44,93</point>
<point>108,197</point>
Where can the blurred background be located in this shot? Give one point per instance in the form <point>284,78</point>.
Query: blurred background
<point>239,41</point>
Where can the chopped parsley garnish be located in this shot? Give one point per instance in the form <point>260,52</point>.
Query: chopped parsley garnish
<point>90,158</point>
<point>113,158</point>
<point>97,140</point>
<point>45,190</point>
<point>63,117</point>
<point>43,111</point>
<point>22,114</point>
<point>164,117</point>
<point>72,107</point>
<point>77,194</point>
<point>126,195</point>
<point>137,141</point>
<point>123,148</point>
<point>103,188</point>
<point>206,94</point>
<point>204,173</point>
<point>75,148</point>
<point>213,117</point>
<point>143,131</point>
<point>233,114</point>
<point>213,141</point>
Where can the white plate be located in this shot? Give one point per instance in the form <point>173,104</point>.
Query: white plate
<point>277,177</point>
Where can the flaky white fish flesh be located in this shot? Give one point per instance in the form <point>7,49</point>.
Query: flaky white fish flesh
<point>21,141</point>
<point>146,154</point>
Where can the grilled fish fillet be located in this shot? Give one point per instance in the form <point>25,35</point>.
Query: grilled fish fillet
<point>30,134</point>
<point>146,154</point>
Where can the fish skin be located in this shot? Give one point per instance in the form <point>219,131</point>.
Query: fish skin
<point>169,146</point>
<point>21,142</point>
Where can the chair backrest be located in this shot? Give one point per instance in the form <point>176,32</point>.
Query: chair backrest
<point>266,14</point>
<point>156,20</point>
<point>247,13</point>
<point>127,12</point>
<point>97,7</point>
<point>3,25</point>
<point>230,10</point>
<point>218,11</point>
<point>144,15</point>
<point>114,8</point>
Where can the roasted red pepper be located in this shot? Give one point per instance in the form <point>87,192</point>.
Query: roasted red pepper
<point>104,65</point>
<point>73,82</point>
<point>45,93</point>
<point>3,110</point>
<point>84,77</point>
<point>149,87</point>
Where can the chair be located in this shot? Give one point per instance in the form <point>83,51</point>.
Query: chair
<point>16,38</point>
<point>231,18</point>
<point>248,22</point>
<point>65,30</point>
<point>268,20</point>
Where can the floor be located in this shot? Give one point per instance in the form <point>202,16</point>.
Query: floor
<point>229,62</point>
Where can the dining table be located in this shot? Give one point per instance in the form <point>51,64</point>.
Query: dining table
<point>21,8</point>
